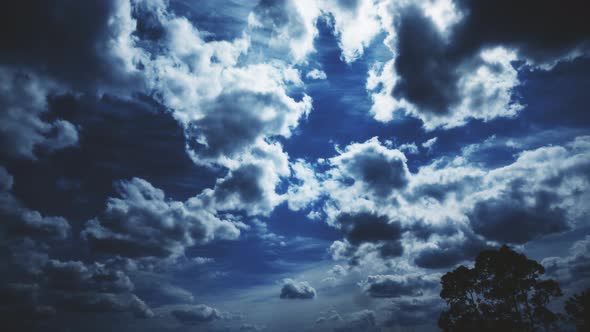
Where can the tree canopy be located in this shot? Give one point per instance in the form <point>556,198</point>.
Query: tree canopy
<point>502,292</point>
<point>577,308</point>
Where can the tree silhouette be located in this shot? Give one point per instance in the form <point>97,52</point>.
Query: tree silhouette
<point>577,308</point>
<point>502,292</point>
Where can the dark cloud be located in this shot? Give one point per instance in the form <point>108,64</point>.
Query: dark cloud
<point>509,219</point>
<point>73,276</point>
<point>105,302</point>
<point>244,182</point>
<point>330,316</point>
<point>25,128</point>
<point>118,139</point>
<point>161,292</point>
<point>430,70</point>
<point>363,320</point>
<point>451,252</point>
<point>381,174</point>
<point>38,35</point>
<point>235,121</point>
<point>407,312</point>
<point>196,314</point>
<point>297,290</point>
<point>380,170</point>
<point>396,286</point>
<point>573,269</point>
<point>20,308</point>
<point>19,221</point>
<point>366,227</point>
<point>542,31</point>
<point>427,74</point>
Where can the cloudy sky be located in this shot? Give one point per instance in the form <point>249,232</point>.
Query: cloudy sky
<point>283,165</point>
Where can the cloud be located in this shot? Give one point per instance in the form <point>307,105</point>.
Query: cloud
<point>316,74</point>
<point>448,210</point>
<point>368,232</point>
<point>37,37</point>
<point>196,314</point>
<point>75,276</point>
<point>25,130</point>
<point>492,218</point>
<point>367,227</point>
<point>406,312</point>
<point>20,307</point>
<point>142,223</point>
<point>379,169</point>
<point>363,320</point>
<point>105,302</point>
<point>297,290</point>
<point>162,292</point>
<point>573,269</point>
<point>288,25</point>
<point>251,327</point>
<point>396,286</point>
<point>355,24</point>
<point>429,144</point>
<point>307,186</point>
<point>462,68</point>
<point>449,252</point>
<point>21,222</point>
<point>249,188</point>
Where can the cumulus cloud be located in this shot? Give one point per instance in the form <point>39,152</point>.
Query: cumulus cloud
<point>396,286</point>
<point>355,23</point>
<point>289,25</point>
<point>316,74</point>
<point>493,217</point>
<point>196,314</point>
<point>573,269</point>
<point>364,320</point>
<point>24,129</point>
<point>142,223</point>
<point>95,54</point>
<point>380,170</point>
<point>450,251</point>
<point>105,302</point>
<point>297,290</point>
<point>249,188</point>
<point>367,232</point>
<point>448,210</point>
<point>76,276</point>
<point>21,222</point>
<point>462,69</point>
<point>406,312</point>
<point>19,301</point>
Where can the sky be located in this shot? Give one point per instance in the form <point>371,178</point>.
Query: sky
<point>288,165</point>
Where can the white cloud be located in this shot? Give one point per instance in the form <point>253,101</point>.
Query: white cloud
<point>485,93</point>
<point>429,144</point>
<point>316,74</point>
<point>355,25</point>
<point>440,207</point>
<point>143,223</point>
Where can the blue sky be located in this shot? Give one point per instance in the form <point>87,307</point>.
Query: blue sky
<point>285,165</point>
